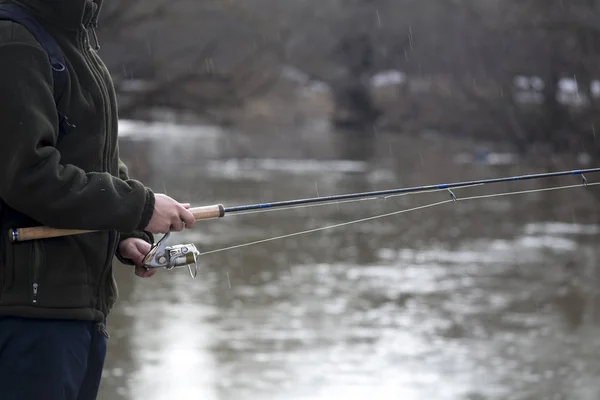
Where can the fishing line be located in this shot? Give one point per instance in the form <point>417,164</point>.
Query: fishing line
<point>431,205</point>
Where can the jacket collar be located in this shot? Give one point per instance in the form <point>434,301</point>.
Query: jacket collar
<point>67,14</point>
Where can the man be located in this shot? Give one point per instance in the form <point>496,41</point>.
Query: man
<point>55,294</point>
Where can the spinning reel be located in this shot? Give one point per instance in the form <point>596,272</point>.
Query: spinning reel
<point>175,256</point>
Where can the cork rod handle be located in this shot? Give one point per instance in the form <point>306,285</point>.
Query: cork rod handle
<point>41,232</point>
<point>45,232</point>
<point>208,212</point>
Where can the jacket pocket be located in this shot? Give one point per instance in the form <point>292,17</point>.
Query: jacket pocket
<point>21,268</point>
<point>55,273</point>
<point>6,268</point>
<point>64,274</point>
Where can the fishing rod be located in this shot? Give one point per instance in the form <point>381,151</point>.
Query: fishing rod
<point>163,256</point>
<point>219,211</point>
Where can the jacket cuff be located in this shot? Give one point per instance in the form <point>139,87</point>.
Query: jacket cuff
<point>148,210</point>
<point>144,235</point>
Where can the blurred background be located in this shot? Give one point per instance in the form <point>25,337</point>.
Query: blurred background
<point>239,102</point>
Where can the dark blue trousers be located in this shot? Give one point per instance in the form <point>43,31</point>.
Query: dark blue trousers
<point>50,359</point>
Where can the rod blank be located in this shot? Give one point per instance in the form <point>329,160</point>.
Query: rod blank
<point>416,189</point>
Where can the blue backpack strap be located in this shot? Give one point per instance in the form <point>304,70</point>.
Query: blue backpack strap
<point>60,75</point>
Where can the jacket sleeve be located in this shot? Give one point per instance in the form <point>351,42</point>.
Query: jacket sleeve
<point>140,234</point>
<point>32,179</point>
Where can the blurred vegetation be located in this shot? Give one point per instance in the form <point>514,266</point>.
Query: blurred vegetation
<point>523,70</point>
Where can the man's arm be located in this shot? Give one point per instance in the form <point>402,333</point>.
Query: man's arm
<point>32,179</point>
<point>138,233</point>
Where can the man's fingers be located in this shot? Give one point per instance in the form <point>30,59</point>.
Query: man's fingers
<point>176,225</point>
<point>144,273</point>
<point>138,259</point>
<point>143,247</point>
<point>139,250</point>
<point>132,251</point>
<point>188,218</point>
<point>187,206</point>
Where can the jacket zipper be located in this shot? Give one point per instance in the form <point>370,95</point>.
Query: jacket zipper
<point>85,49</point>
<point>35,292</point>
<point>106,101</point>
<point>36,271</point>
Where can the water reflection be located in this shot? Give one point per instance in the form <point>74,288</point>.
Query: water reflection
<point>494,299</point>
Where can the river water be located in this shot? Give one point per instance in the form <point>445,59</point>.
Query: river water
<point>486,299</point>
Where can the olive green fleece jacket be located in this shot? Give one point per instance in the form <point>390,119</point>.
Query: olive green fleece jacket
<point>75,181</point>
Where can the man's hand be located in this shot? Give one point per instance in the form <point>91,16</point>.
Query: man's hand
<point>136,249</point>
<point>170,215</point>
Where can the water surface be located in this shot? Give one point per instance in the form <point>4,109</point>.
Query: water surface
<point>486,299</point>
